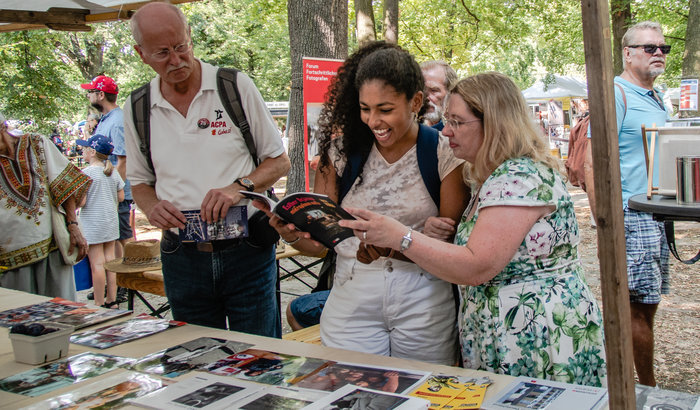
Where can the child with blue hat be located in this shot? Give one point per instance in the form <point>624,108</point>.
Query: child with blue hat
<point>99,216</point>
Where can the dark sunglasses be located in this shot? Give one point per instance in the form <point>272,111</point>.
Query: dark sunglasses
<point>651,48</point>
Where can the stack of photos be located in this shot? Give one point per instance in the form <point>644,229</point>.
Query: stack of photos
<point>201,391</point>
<point>353,397</point>
<point>453,392</point>
<point>36,312</point>
<point>110,392</point>
<point>192,355</point>
<point>336,375</point>
<point>136,328</point>
<point>52,376</point>
<point>266,367</point>
<point>528,393</point>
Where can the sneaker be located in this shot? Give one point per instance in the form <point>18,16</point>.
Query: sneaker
<point>122,295</point>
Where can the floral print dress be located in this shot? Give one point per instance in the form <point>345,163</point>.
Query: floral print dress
<point>537,317</point>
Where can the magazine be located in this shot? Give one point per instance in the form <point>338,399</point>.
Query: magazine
<point>531,393</point>
<point>52,376</point>
<point>335,375</point>
<point>266,367</point>
<point>36,312</point>
<point>353,397</point>
<point>201,391</point>
<point>453,392</point>
<point>652,398</point>
<point>280,398</point>
<point>87,316</point>
<point>141,326</point>
<point>178,360</point>
<point>313,213</point>
<point>234,225</point>
<point>110,392</point>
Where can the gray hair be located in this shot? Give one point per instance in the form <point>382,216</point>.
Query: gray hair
<point>134,22</point>
<point>450,73</point>
<point>644,25</point>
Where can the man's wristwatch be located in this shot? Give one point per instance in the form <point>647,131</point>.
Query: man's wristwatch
<point>246,183</point>
<point>406,240</point>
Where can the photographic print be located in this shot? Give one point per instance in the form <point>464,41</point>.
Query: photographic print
<point>36,312</point>
<point>280,398</point>
<point>85,316</point>
<point>141,326</point>
<point>336,375</point>
<point>234,225</point>
<point>353,397</point>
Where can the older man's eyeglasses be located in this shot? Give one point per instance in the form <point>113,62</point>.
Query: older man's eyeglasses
<point>651,48</point>
<point>455,124</point>
<point>179,49</point>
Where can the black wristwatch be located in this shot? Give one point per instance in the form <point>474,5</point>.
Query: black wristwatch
<point>246,183</point>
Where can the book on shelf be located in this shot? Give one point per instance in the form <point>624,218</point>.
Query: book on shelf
<point>314,213</point>
<point>233,226</point>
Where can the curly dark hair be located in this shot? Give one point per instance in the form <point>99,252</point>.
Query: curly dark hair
<point>340,115</point>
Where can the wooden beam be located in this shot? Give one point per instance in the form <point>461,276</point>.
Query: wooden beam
<point>54,15</point>
<point>609,216</point>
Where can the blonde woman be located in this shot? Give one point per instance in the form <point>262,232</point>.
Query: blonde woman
<point>526,309</point>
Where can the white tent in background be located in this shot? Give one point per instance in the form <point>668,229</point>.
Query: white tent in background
<point>562,87</point>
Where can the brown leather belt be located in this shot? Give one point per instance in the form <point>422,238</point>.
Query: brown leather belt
<point>209,247</point>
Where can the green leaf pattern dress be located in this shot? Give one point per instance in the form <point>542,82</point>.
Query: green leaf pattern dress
<point>537,317</point>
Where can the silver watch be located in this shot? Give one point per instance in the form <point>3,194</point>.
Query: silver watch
<point>406,240</point>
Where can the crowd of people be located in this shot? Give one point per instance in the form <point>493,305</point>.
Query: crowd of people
<point>465,246</point>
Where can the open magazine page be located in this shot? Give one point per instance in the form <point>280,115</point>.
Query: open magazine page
<point>200,391</point>
<point>183,358</point>
<point>110,392</point>
<point>141,326</point>
<point>233,226</point>
<point>62,373</point>
<point>36,312</point>
<point>353,397</point>
<point>529,393</point>
<point>336,375</point>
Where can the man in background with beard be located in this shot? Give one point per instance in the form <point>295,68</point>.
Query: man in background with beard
<point>439,78</point>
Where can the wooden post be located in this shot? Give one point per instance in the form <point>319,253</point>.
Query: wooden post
<point>609,216</point>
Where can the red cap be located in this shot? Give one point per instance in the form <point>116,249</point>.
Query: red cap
<point>102,83</point>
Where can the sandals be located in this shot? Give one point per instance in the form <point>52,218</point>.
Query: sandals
<point>111,305</point>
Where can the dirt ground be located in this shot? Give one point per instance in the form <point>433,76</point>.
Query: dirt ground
<point>677,327</point>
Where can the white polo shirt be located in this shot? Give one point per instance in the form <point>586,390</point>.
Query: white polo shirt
<point>204,150</point>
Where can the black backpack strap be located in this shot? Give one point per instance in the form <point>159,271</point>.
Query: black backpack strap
<point>671,239</point>
<point>141,114</point>
<point>227,86</point>
<point>426,150</point>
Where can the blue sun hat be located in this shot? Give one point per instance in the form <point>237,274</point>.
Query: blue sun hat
<point>99,143</point>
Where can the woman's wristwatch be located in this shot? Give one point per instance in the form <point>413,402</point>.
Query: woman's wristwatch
<point>406,240</point>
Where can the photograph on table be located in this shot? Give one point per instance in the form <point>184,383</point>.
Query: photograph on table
<point>266,367</point>
<point>52,376</point>
<point>110,392</point>
<point>87,316</point>
<point>353,397</point>
<point>276,397</point>
<point>533,393</point>
<point>178,360</point>
<point>336,375</point>
<point>38,311</point>
<point>141,326</point>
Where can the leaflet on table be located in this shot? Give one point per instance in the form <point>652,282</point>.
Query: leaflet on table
<point>354,397</point>
<point>38,311</point>
<point>110,392</point>
<point>531,393</point>
<point>336,375</point>
<point>52,376</point>
<point>265,367</point>
<point>453,392</point>
<point>200,391</point>
<point>178,360</point>
<point>313,213</point>
<point>141,326</point>
<point>234,225</point>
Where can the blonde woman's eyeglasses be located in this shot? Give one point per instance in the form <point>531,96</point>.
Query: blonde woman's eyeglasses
<point>455,124</point>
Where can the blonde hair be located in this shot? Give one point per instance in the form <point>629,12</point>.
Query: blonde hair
<point>509,132</point>
<point>109,168</point>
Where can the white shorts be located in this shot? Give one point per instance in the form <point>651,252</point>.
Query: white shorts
<point>391,308</point>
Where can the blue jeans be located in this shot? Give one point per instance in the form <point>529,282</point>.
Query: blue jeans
<point>237,285</point>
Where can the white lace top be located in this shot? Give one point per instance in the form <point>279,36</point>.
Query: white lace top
<point>396,190</point>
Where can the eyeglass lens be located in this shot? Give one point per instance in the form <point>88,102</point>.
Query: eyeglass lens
<point>651,48</point>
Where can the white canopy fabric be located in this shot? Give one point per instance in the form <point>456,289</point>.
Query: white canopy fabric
<point>561,88</point>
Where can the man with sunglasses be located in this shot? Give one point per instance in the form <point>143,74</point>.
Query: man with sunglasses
<point>637,102</point>
<point>200,162</point>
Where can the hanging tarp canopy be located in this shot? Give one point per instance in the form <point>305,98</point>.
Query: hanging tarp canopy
<point>67,15</point>
<point>561,87</point>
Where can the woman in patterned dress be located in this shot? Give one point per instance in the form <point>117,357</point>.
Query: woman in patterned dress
<point>382,303</point>
<point>526,309</point>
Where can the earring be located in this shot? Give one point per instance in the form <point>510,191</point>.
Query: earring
<point>415,115</point>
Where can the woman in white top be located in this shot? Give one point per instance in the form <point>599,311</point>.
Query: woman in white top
<point>380,302</point>
<point>99,217</point>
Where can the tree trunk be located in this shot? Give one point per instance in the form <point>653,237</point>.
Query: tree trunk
<point>691,56</point>
<point>364,20</point>
<point>391,21</point>
<point>621,12</point>
<point>317,28</point>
